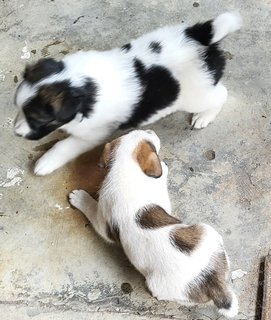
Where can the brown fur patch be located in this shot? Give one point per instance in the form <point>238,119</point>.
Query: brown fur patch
<point>108,153</point>
<point>148,160</point>
<point>155,217</point>
<point>212,284</point>
<point>51,96</point>
<point>186,238</point>
<point>113,232</point>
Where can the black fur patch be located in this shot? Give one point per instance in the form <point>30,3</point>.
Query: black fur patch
<point>212,55</point>
<point>215,61</point>
<point>42,69</point>
<point>112,232</point>
<point>201,32</point>
<point>56,104</point>
<point>155,47</point>
<point>127,47</point>
<point>159,90</point>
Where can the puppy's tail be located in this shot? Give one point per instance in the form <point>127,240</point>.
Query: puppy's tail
<point>227,304</point>
<point>215,30</point>
<point>224,24</point>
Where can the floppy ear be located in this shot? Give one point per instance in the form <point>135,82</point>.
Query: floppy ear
<point>105,157</point>
<point>64,100</point>
<point>108,153</point>
<point>148,160</point>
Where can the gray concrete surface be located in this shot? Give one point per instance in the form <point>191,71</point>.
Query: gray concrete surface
<point>52,264</point>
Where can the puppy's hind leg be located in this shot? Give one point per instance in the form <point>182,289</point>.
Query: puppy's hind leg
<point>217,98</point>
<point>81,200</point>
<point>226,302</point>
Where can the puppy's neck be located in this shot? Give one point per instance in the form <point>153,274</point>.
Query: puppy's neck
<point>127,187</point>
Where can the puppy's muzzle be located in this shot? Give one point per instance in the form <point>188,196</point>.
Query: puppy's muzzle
<point>21,127</point>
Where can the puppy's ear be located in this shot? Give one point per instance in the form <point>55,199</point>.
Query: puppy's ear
<point>148,160</point>
<point>43,68</point>
<point>64,100</point>
<point>108,153</point>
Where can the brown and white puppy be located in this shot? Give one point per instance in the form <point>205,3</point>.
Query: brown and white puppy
<point>182,263</point>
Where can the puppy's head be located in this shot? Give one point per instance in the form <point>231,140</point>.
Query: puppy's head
<point>47,99</point>
<point>140,147</point>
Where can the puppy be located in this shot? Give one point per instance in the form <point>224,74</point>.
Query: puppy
<point>181,263</point>
<point>91,94</point>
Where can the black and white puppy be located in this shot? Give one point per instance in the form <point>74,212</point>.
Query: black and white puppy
<point>182,263</point>
<point>91,94</point>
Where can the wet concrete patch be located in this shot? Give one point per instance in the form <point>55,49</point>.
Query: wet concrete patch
<point>210,155</point>
<point>45,146</point>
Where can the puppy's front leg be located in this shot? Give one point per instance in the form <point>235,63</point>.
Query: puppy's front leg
<point>81,200</point>
<point>61,153</point>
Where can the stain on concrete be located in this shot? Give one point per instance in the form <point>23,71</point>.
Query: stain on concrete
<point>195,4</point>
<point>64,52</point>
<point>77,19</point>
<point>126,287</point>
<point>45,49</point>
<point>45,146</point>
<point>85,174</point>
<point>15,79</point>
<point>228,55</point>
<point>210,155</point>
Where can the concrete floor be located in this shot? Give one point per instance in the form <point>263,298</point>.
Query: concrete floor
<point>52,264</point>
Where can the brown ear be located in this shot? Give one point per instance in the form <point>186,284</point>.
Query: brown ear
<point>108,153</point>
<point>148,160</point>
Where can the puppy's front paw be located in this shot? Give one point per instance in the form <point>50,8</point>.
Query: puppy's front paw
<point>47,164</point>
<point>202,119</point>
<point>79,199</point>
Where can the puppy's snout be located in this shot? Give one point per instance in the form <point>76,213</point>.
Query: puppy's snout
<point>21,127</point>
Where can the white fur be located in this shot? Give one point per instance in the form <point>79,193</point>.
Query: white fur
<point>226,23</point>
<point>126,190</point>
<point>233,311</point>
<point>21,126</point>
<point>119,89</point>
